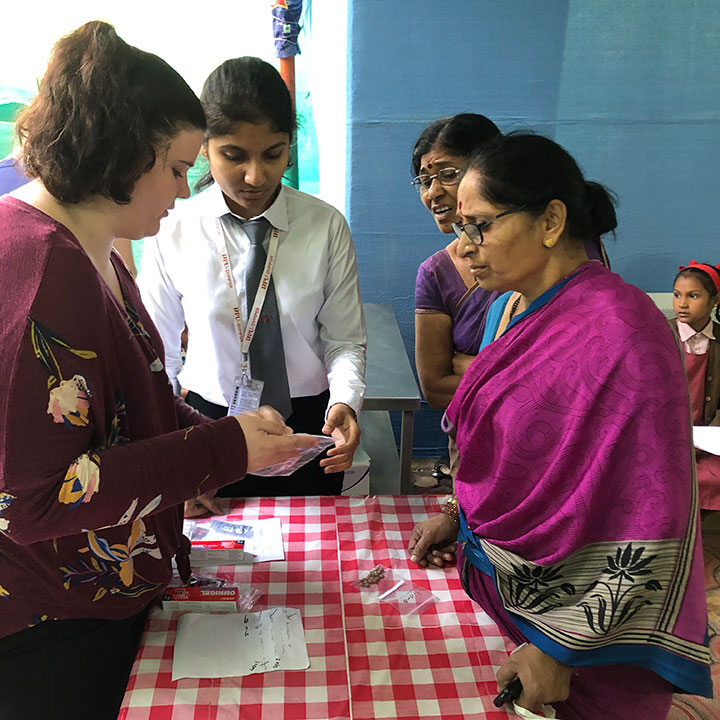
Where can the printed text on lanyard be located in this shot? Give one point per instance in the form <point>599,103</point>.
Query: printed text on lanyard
<point>245,336</point>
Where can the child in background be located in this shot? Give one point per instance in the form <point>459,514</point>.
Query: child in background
<point>696,295</point>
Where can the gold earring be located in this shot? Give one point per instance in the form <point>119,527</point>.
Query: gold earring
<point>549,242</point>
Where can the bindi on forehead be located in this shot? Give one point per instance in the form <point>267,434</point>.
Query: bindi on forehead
<point>429,166</point>
<point>459,204</point>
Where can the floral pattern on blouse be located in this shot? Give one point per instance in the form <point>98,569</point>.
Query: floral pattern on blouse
<point>82,480</point>
<point>70,402</point>
<point>5,500</point>
<point>42,341</point>
<point>112,567</point>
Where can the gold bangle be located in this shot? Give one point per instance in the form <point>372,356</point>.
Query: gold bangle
<point>452,510</point>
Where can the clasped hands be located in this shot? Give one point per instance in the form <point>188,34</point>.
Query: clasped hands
<point>433,541</point>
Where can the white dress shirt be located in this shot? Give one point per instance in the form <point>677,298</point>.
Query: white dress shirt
<point>316,284</point>
<point>695,343</point>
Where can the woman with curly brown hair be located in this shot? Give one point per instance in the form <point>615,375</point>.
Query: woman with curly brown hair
<point>97,456</point>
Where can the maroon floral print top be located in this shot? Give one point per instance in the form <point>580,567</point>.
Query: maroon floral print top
<point>96,453</point>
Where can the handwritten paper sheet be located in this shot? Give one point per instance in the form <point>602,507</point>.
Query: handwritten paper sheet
<point>707,439</point>
<point>217,646</point>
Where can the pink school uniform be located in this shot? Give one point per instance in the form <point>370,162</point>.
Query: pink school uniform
<point>702,362</point>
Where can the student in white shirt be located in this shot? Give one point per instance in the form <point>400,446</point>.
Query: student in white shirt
<point>203,248</point>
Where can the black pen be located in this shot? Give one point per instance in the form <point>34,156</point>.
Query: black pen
<point>511,692</point>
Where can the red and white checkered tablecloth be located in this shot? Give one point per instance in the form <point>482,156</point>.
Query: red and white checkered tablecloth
<point>367,662</point>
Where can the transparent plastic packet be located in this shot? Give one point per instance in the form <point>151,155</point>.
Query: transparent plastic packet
<point>306,455</point>
<point>206,581</point>
<point>211,528</point>
<point>247,598</point>
<point>406,597</point>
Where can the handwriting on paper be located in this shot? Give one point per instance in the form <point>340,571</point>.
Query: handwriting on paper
<point>214,646</point>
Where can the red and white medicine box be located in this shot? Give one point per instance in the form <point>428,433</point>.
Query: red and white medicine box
<point>216,552</point>
<point>200,599</point>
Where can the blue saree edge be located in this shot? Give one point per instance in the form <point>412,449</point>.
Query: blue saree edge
<point>686,675</point>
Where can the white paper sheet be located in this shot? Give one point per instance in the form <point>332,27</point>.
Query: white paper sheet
<point>707,439</point>
<point>263,538</point>
<point>230,645</point>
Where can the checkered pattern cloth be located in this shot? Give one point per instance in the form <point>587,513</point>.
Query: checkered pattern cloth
<point>367,662</point>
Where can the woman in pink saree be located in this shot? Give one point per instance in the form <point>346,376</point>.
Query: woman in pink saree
<point>576,492</point>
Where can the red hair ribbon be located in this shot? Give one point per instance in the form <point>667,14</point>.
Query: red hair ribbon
<point>711,270</point>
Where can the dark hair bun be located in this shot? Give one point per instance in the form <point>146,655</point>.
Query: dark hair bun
<point>523,169</point>
<point>601,208</point>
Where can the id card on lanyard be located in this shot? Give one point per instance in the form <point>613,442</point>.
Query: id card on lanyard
<point>247,391</point>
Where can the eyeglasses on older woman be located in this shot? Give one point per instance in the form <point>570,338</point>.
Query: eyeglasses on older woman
<point>474,231</point>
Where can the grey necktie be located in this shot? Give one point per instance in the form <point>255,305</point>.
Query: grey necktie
<point>267,356</point>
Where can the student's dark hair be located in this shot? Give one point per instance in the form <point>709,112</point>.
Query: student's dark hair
<point>103,112</point>
<point>521,169</point>
<point>458,135</point>
<point>245,90</point>
<point>705,280</point>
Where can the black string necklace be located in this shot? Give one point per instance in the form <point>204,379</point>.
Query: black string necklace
<point>514,307</point>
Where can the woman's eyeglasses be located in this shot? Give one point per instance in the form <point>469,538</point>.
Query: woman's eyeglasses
<point>446,176</point>
<point>474,231</point>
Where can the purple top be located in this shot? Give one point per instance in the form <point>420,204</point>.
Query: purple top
<point>595,250</point>
<point>11,175</point>
<point>440,288</point>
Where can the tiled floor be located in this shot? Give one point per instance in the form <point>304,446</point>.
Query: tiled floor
<point>688,707</point>
<point>685,707</point>
<point>423,483</point>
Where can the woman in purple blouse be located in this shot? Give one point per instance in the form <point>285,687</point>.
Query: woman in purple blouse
<point>450,306</point>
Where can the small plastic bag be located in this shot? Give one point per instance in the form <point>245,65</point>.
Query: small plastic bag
<point>206,581</point>
<point>404,596</point>
<point>247,598</point>
<point>306,455</point>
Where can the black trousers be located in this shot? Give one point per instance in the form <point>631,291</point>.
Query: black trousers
<point>68,669</point>
<point>308,416</point>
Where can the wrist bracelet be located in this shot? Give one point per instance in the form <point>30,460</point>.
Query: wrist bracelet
<point>451,509</point>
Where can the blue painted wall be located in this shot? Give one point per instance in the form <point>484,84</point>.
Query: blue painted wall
<point>631,89</point>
